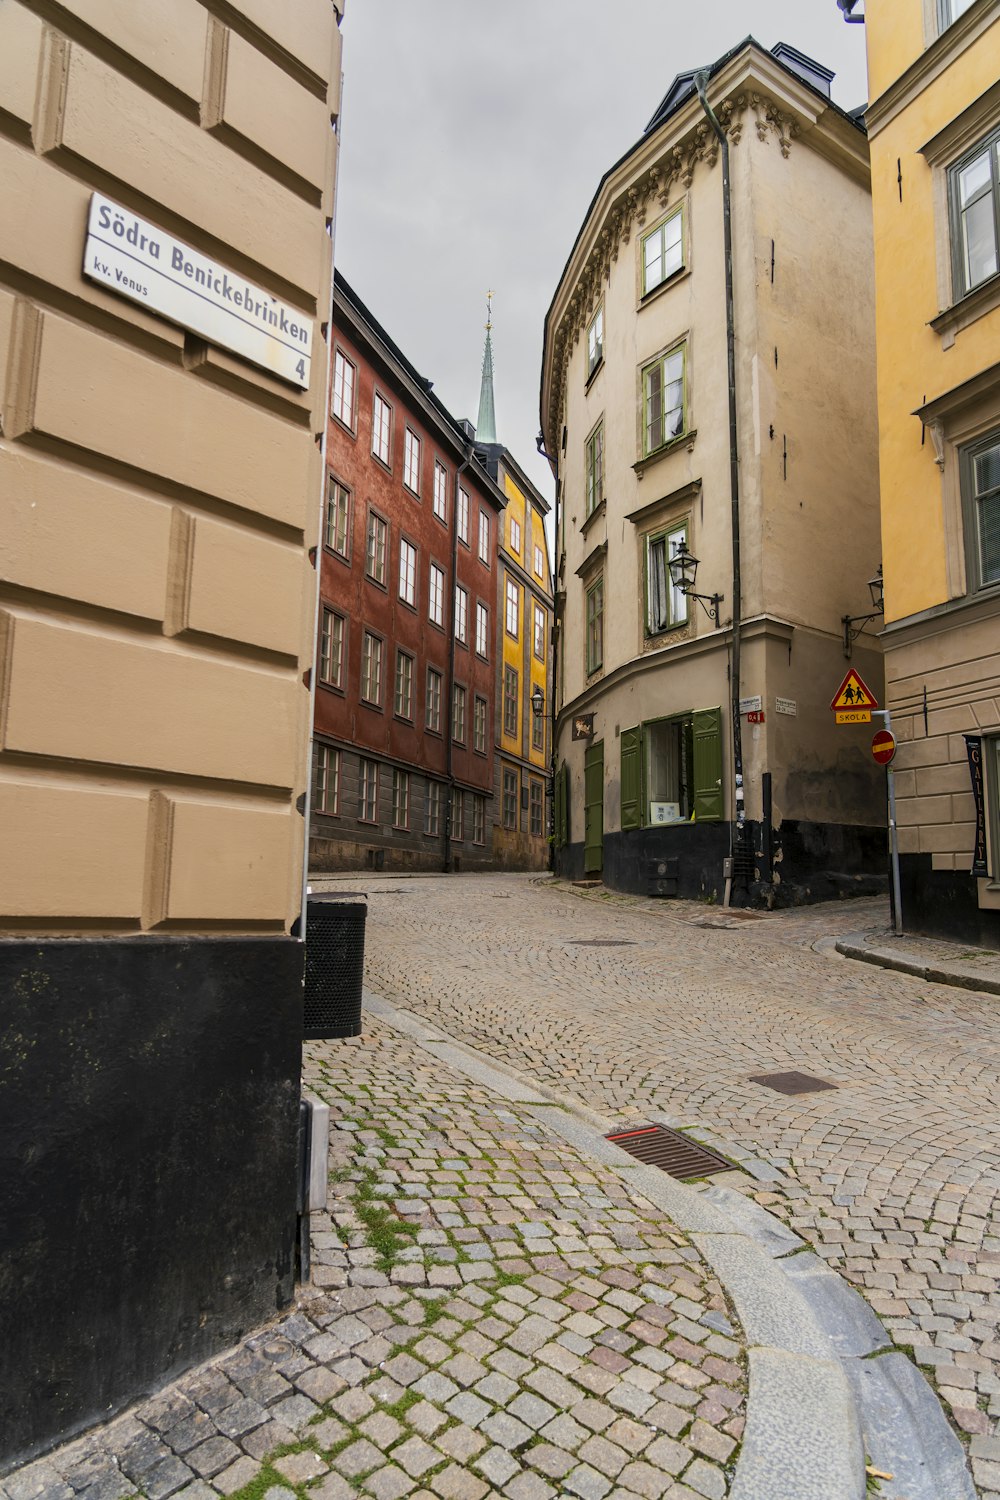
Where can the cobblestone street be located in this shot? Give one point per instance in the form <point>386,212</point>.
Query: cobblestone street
<point>892,1175</point>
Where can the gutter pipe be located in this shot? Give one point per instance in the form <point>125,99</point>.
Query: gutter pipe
<point>450,719</point>
<point>556,633</point>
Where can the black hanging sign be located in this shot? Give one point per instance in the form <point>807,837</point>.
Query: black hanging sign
<point>974,746</point>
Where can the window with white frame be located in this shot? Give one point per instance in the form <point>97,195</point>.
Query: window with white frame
<point>432,713</point>
<point>666,604</point>
<point>375,547</point>
<point>478,819</point>
<point>381,429</point>
<point>457,811</point>
<point>513,606</point>
<point>432,809</point>
<point>662,249</point>
<point>400,798</point>
<point>595,468</point>
<point>344,382</point>
<point>484,538</point>
<point>539,563</point>
<point>435,595</point>
<point>440,492</point>
<point>950,10</point>
<point>458,713</point>
<point>479,709</point>
<point>509,799</point>
<point>411,461</point>
<point>403,696</point>
<point>371,668</point>
<point>595,625</point>
<point>539,633</point>
<point>461,614</point>
<point>326,785</point>
<point>331,648</point>
<point>663,399</point>
<point>368,791</point>
<point>595,340</point>
<point>515,535</point>
<point>462,520</point>
<point>980,480</point>
<point>407,572</point>
<point>337,533</point>
<point>482,630</point>
<point>510,704</point>
<point>974,188</point>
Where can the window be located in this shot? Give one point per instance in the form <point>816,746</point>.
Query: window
<point>479,725</point>
<point>411,461</point>
<point>663,400</point>
<point>463,516</point>
<point>435,602</point>
<point>457,811</point>
<point>478,819</point>
<point>403,698</point>
<point>980,470</point>
<point>974,185</point>
<point>368,791</point>
<point>536,806</point>
<point>338,518</point>
<point>458,713</point>
<point>950,10</point>
<point>326,784</point>
<point>537,730</point>
<point>671,770</point>
<point>400,799</point>
<point>662,251</point>
<point>432,716</point>
<point>440,492</point>
<point>407,572</point>
<point>344,380</point>
<point>666,606</point>
<point>432,809</point>
<point>371,668</point>
<point>375,548</point>
<point>510,701</point>
<point>461,614</point>
<point>509,798</point>
<point>595,626</point>
<point>331,648</point>
<point>513,607</point>
<point>539,633</point>
<point>515,535</point>
<point>539,563</point>
<point>484,538</point>
<point>595,468</point>
<point>381,428</point>
<point>595,341</point>
<point>482,630</point>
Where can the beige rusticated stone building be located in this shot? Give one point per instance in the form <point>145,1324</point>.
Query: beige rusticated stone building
<point>635,411</point>
<point>167,178</point>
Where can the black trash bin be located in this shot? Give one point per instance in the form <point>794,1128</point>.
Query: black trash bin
<point>335,961</point>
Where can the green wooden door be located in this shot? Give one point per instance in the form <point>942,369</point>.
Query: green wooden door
<point>593,809</point>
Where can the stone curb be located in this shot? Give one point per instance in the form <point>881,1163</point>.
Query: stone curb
<point>855,947</point>
<point>827,1391</point>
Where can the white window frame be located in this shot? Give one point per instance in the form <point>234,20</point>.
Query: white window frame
<point>461,614</point>
<point>666,605</point>
<point>515,536</point>
<point>402,693</point>
<point>459,699</point>
<point>440,491</point>
<point>367,790</point>
<point>382,429</point>
<point>376,547</point>
<point>408,572</point>
<point>400,798</point>
<point>457,832</point>
<point>482,630</point>
<point>539,563</point>
<point>480,710</point>
<point>411,461</point>
<point>512,607</point>
<point>338,518</point>
<point>432,809</point>
<point>539,632</point>
<point>666,241</point>
<point>372,647</point>
<point>484,537</point>
<point>326,786</point>
<point>435,595</point>
<point>331,666</point>
<point>664,365</point>
<point>345,373</point>
<point>432,702</point>
<point>462,520</point>
<point>595,341</point>
<point>478,819</point>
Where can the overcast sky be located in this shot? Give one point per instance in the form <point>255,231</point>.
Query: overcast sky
<point>473,136</point>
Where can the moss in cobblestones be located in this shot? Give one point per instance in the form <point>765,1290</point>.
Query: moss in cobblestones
<point>433,1310</point>
<point>265,1480</point>
<point>385,1232</point>
<point>507,1278</point>
<point>399,1408</point>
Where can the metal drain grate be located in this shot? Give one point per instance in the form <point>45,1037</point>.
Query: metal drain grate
<point>672,1152</point>
<point>601,943</point>
<point>792,1083</point>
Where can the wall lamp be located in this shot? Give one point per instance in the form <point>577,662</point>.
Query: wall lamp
<point>860,621</point>
<point>538,703</point>
<point>683,575</point>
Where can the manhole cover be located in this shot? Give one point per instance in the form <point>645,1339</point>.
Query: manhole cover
<point>792,1083</point>
<point>672,1152</point>
<point>601,943</point>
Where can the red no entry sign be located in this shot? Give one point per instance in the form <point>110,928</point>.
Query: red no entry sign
<point>883,747</point>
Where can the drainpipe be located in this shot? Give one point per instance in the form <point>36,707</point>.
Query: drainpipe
<point>449,747</point>
<point>554,466</point>
<point>738,839</point>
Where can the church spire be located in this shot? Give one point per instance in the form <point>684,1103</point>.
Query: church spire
<point>486,426</point>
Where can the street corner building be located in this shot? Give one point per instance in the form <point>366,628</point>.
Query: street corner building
<point>934,127</point>
<point>165,286</point>
<point>693,721</point>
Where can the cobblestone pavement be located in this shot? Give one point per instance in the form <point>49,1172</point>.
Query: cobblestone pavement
<point>892,1175</point>
<point>491,1314</point>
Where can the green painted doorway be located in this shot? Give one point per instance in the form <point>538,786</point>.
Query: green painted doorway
<point>593,809</point>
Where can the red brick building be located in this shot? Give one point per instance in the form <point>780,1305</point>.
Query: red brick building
<point>406,676</point>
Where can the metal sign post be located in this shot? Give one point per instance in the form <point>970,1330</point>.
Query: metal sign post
<point>897,911</point>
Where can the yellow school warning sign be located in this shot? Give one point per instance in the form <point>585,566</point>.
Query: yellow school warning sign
<point>853,701</point>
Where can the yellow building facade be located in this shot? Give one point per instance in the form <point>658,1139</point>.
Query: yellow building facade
<point>934,129</point>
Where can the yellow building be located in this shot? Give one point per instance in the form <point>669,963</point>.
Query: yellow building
<point>934,127</point>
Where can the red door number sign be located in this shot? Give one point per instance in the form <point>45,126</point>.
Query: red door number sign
<point>883,747</point>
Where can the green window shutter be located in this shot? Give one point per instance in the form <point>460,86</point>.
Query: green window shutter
<point>562,806</point>
<point>631,778</point>
<point>707,743</point>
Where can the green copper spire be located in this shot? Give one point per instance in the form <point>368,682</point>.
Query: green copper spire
<point>486,425</point>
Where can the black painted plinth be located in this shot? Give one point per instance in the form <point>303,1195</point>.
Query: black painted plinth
<point>945,904</point>
<point>149,1095</point>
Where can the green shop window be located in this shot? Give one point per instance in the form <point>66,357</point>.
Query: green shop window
<point>671,770</point>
